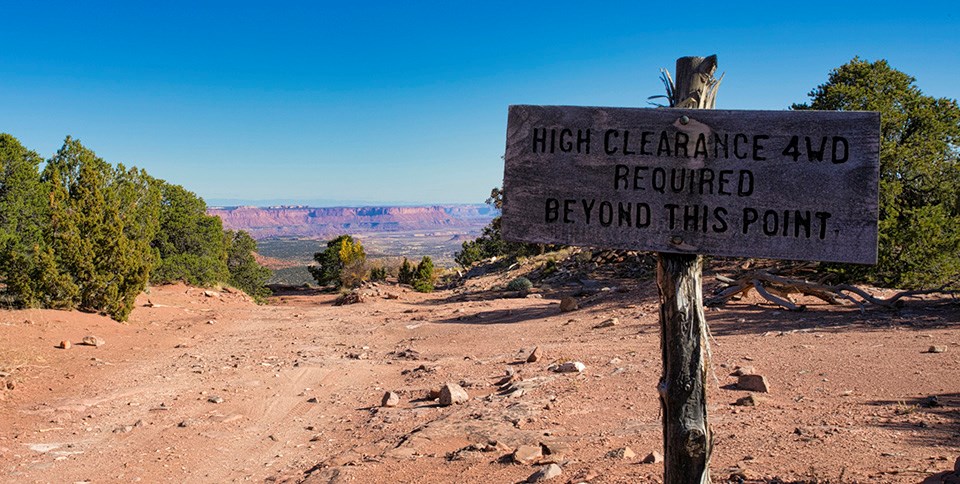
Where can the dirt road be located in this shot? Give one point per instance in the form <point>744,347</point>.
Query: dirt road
<point>213,388</point>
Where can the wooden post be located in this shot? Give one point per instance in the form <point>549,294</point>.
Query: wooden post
<point>687,441</point>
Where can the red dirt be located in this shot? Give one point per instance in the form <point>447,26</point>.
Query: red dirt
<point>301,382</point>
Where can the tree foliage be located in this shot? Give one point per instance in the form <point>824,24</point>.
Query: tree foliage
<point>191,245</point>
<point>406,273</point>
<point>342,264</point>
<point>919,173</point>
<point>491,243</point>
<point>423,276</point>
<point>245,273</point>
<point>86,234</point>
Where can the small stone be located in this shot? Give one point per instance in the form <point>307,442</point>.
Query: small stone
<point>622,453</point>
<point>608,323</point>
<point>183,424</point>
<point>937,349</point>
<point>570,367</point>
<point>65,345</point>
<point>653,458</point>
<point>527,454</point>
<point>753,383</point>
<point>535,355</point>
<point>750,401</point>
<point>744,370</point>
<point>451,394</point>
<point>215,399</point>
<point>433,393</point>
<point>313,400</point>
<point>91,340</point>
<point>210,293</point>
<point>212,321</point>
<point>568,304</point>
<point>545,473</point>
<point>11,385</point>
<point>390,399</point>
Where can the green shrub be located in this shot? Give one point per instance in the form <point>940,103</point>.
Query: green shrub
<point>919,243</point>
<point>406,273</point>
<point>378,273</point>
<point>423,277</point>
<point>245,273</point>
<point>342,264</point>
<point>520,284</point>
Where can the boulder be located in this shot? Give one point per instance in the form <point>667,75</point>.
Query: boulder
<point>451,394</point>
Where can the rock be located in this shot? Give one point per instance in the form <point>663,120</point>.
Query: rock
<point>753,383</point>
<point>545,473</point>
<point>390,399</point>
<point>750,400</point>
<point>535,355</point>
<point>64,345</point>
<point>744,370</point>
<point>937,349</point>
<point>183,424</point>
<point>210,293</point>
<point>433,393</point>
<point>91,340</point>
<point>313,400</point>
<point>608,323</point>
<point>215,399</point>
<point>570,367</point>
<point>451,394</point>
<point>568,304</point>
<point>534,296</point>
<point>622,453</point>
<point>527,454</point>
<point>653,458</point>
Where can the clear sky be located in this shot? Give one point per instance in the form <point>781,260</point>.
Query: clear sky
<point>403,101</point>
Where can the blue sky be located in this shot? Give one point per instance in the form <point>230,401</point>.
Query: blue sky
<point>407,101</point>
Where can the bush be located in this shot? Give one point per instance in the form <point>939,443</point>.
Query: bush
<point>245,273</point>
<point>378,273</point>
<point>491,243</point>
<point>191,244</point>
<point>520,284</point>
<point>406,273</point>
<point>423,277</point>
<point>342,264</point>
<point>919,243</point>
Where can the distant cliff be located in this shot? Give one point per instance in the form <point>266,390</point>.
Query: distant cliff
<point>299,221</point>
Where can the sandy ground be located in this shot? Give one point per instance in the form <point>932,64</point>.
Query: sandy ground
<point>217,389</point>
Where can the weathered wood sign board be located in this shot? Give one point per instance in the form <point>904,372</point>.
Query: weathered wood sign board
<point>786,185</point>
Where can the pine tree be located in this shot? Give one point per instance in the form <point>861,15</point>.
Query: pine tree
<point>423,278</point>
<point>191,245</point>
<point>919,173</point>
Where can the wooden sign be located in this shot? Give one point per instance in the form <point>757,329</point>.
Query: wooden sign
<point>775,184</point>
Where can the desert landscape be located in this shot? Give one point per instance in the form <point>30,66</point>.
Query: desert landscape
<point>204,385</point>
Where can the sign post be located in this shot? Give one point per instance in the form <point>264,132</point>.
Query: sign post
<point>688,181</point>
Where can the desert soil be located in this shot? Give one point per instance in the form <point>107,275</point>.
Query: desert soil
<point>213,388</point>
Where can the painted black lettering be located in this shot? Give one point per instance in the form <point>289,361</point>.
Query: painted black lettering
<point>643,215</point>
<point>606,141</point>
<point>659,181</point>
<point>701,148</point>
<point>566,146</point>
<point>706,180</point>
<point>682,140</point>
<point>583,141</point>
<point>588,209</point>
<point>663,148</point>
<point>724,181</point>
<point>672,208</point>
<point>823,216</point>
<point>750,215</point>
<point>839,141</point>
<point>793,148</point>
<point>539,140</point>
<point>718,143</point>
<point>638,175</point>
<point>675,185</point>
<point>745,187</point>
<point>771,221</point>
<point>736,146</point>
<point>719,214</point>
<point>816,155</point>
<point>567,210</point>
<point>802,220</point>
<point>691,218</point>
<point>626,141</point>
<point>606,213</point>
<point>552,212</point>
<point>620,174</point>
<point>644,140</point>
<point>624,214</point>
<point>757,147</point>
